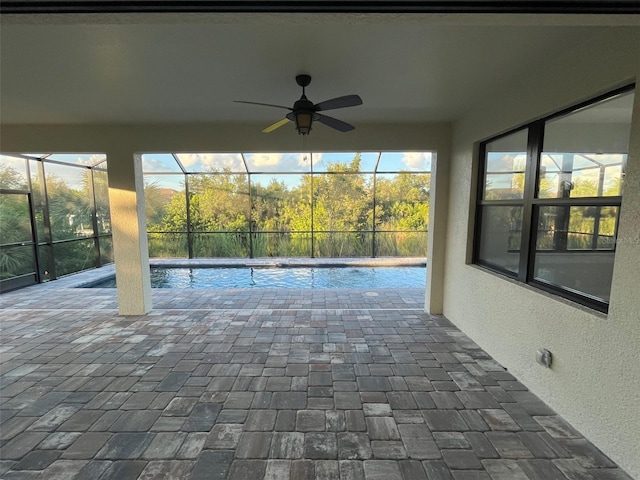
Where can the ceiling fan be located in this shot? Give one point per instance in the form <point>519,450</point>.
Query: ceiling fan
<point>305,112</point>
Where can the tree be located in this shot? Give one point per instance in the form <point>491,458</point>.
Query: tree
<point>334,208</point>
<point>69,210</point>
<point>402,203</point>
<point>11,179</point>
<point>15,227</point>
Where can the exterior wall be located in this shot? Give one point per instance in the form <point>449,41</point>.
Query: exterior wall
<point>594,382</point>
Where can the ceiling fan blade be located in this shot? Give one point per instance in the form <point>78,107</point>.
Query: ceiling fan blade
<point>335,123</point>
<point>273,126</point>
<point>263,104</point>
<point>339,102</point>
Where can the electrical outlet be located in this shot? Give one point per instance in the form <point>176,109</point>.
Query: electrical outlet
<point>544,357</point>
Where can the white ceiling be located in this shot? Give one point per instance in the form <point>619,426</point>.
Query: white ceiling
<point>189,68</point>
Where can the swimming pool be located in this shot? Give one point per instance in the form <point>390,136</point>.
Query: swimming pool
<point>290,277</point>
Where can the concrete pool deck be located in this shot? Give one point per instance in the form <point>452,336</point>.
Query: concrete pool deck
<point>265,383</point>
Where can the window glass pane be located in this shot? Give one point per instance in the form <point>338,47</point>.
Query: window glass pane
<point>402,201</point>
<point>563,228</point>
<point>212,245</point>
<point>71,257</point>
<point>212,162</point>
<point>343,202</point>
<point>575,248</point>
<point>101,193</point>
<point>279,162</point>
<point>500,236</point>
<point>401,244</point>
<point>574,175</point>
<point>159,162</point>
<point>219,203</point>
<point>13,173</point>
<point>70,210</point>
<point>281,203</point>
<point>165,203</point>
<point>585,152</point>
<point>582,272</point>
<point>281,245</point>
<point>405,162</point>
<point>168,245</point>
<point>505,161</point>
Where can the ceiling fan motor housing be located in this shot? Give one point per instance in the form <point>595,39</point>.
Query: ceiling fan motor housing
<point>303,80</point>
<point>303,105</point>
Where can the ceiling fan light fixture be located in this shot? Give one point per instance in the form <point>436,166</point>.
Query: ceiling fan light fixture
<point>303,122</point>
<point>303,119</point>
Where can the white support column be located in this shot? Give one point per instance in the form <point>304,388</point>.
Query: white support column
<point>130,248</point>
<point>436,243</point>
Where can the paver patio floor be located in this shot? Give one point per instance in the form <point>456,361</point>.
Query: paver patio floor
<point>277,384</point>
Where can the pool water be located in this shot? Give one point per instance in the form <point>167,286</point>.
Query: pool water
<point>298,277</point>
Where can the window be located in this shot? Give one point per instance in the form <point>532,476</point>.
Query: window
<point>549,198</point>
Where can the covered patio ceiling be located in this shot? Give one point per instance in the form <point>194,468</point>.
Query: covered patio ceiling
<point>147,68</point>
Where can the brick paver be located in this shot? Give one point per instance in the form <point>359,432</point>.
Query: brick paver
<point>274,384</point>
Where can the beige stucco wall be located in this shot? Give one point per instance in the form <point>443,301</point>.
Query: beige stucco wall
<point>595,379</point>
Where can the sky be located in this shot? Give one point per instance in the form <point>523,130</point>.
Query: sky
<point>285,162</point>
<point>73,177</point>
<point>275,164</point>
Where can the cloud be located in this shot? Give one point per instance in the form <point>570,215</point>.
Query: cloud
<point>197,162</point>
<point>278,162</point>
<point>188,159</point>
<point>256,160</point>
<point>316,158</point>
<point>417,160</point>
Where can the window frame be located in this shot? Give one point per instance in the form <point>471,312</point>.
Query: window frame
<point>531,204</point>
